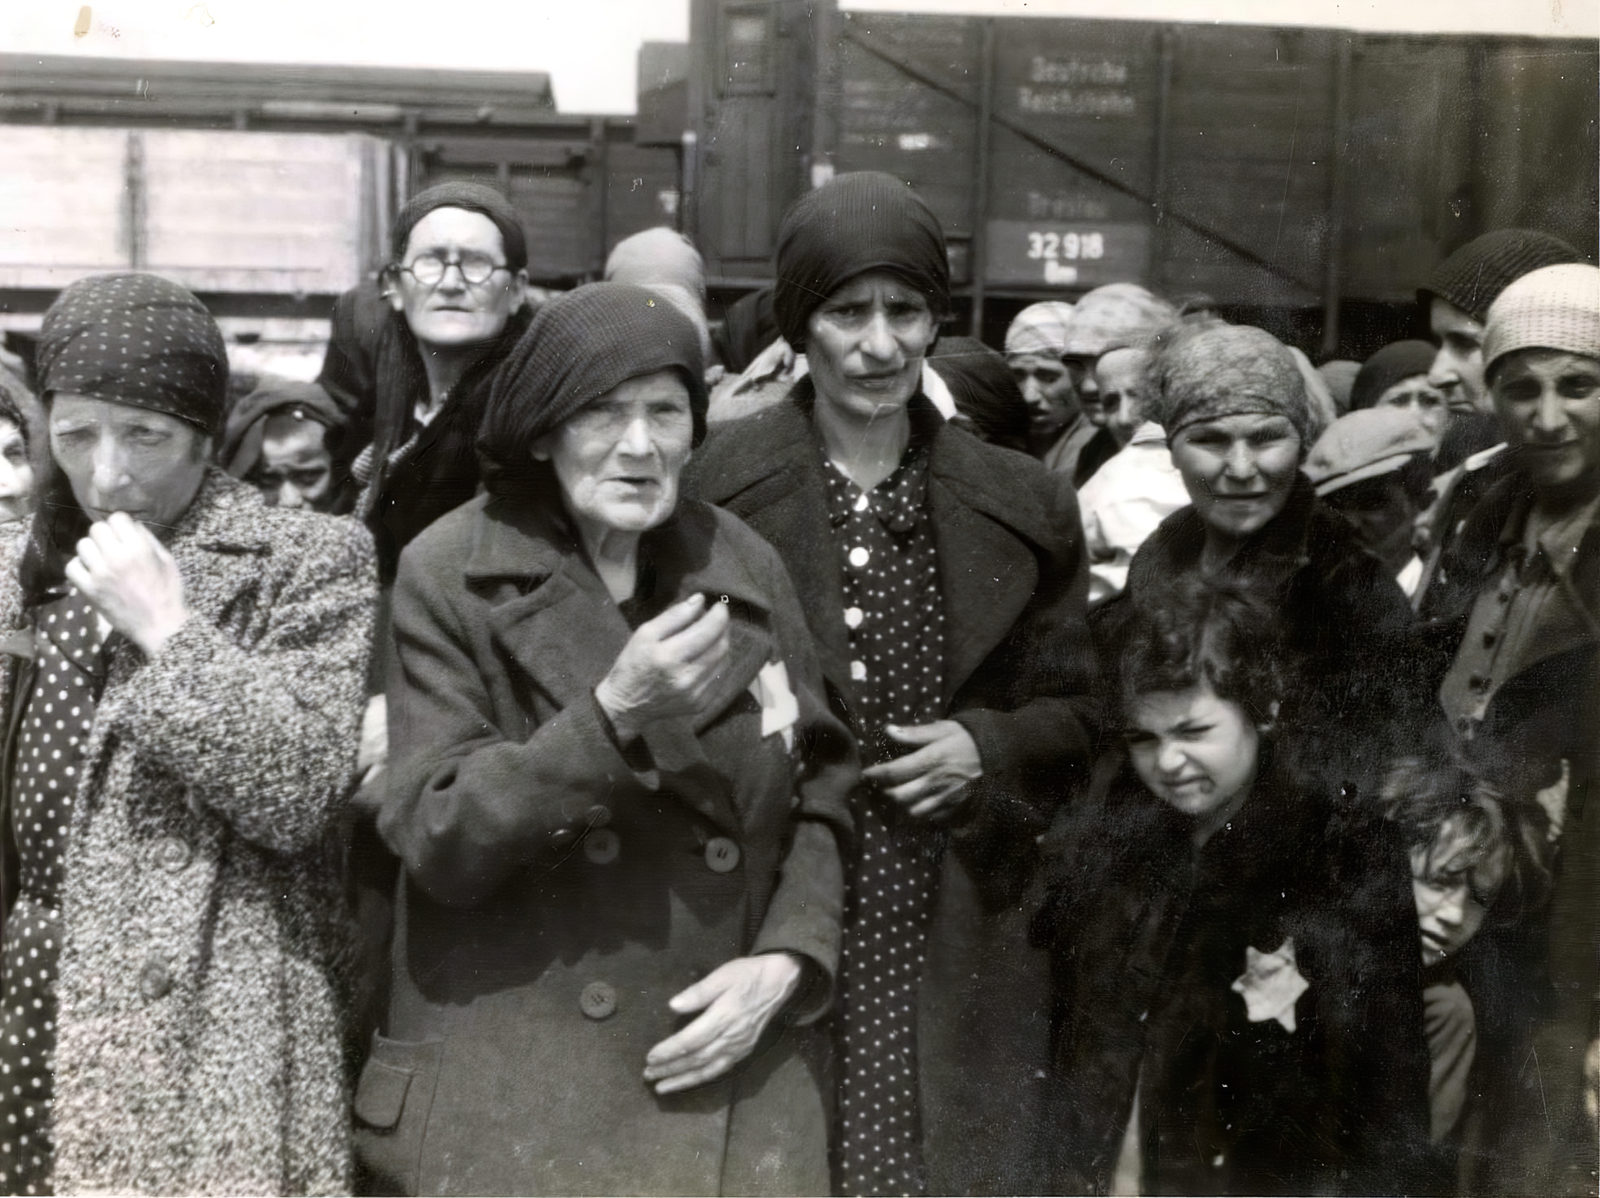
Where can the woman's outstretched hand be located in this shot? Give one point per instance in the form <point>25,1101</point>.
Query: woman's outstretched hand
<point>929,783</point>
<point>736,1001</point>
<point>667,667</point>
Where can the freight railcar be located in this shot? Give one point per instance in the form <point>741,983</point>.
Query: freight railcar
<point>1307,178</point>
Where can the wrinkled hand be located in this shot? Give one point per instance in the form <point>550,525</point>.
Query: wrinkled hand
<point>667,666</point>
<point>131,580</point>
<point>738,1000</point>
<point>931,782</point>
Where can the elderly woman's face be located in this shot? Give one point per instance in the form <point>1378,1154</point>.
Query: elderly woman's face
<point>16,474</point>
<point>618,460</point>
<point>1238,469</point>
<point>866,343</point>
<point>1421,398</point>
<point>119,458</point>
<point>453,310</point>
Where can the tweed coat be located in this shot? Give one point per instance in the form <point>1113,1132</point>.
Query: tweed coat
<point>559,890</point>
<point>1014,581</point>
<point>199,1029</point>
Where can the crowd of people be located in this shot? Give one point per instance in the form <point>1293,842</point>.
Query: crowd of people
<point>576,746</point>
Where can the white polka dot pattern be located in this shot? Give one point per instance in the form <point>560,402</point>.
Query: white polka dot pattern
<point>894,614</point>
<point>54,728</point>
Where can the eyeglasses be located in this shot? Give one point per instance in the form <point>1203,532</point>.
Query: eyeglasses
<point>475,268</point>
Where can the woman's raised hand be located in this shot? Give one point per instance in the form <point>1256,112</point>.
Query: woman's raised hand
<point>131,580</point>
<point>737,1001</point>
<point>667,667</point>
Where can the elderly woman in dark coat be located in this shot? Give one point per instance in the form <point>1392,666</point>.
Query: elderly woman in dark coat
<point>944,583</point>
<point>618,799</point>
<point>180,702</point>
<point>1239,425</point>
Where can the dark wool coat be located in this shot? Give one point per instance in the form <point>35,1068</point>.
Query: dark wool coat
<point>1149,934</point>
<point>1360,679</point>
<point>558,892</point>
<point>199,1029</point>
<point>1014,582</point>
<point>1547,712</point>
<point>373,370</point>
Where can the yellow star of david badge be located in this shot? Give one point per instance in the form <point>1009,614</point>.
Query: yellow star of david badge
<point>1271,984</point>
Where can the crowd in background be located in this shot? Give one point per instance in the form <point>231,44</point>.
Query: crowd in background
<point>578,746</point>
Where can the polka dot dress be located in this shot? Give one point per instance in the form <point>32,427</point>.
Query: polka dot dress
<point>894,614</point>
<point>55,726</point>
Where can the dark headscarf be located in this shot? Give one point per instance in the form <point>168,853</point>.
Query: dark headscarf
<point>138,340</point>
<point>985,390</point>
<point>580,346</point>
<point>1392,364</point>
<point>857,222</point>
<point>241,443</point>
<point>474,197</point>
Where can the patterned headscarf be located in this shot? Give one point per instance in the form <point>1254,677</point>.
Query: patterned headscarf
<point>1040,329</point>
<point>1212,371</point>
<point>139,340</point>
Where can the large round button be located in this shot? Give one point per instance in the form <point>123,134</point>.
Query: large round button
<point>563,839</point>
<point>722,855</point>
<point>597,816</point>
<point>598,1001</point>
<point>155,979</point>
<point>171,853</point>
<point>602,846</point>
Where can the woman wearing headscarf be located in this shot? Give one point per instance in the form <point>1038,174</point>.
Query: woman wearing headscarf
<point>180,699</point>
<point>618,799</point>
<point>1239,424</point>
<point>943,581</point>
<point>410,360</point>
<point>1397,377</point>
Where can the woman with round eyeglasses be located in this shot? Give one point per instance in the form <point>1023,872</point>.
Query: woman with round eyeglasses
<point>410,360</point>
<point>1239,424</point>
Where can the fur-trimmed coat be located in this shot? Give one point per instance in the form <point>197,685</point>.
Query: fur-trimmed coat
<point>199,1030</point>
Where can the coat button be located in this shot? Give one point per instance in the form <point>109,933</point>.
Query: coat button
<point>171,853</point>
<point>598,1001</point>
<point>563,839</point>
<point>602,846</point>
<point>597,816</point>
<point>722,855</point>
<point>155,979</point>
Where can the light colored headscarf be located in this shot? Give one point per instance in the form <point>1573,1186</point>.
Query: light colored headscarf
<point>1040,329</point>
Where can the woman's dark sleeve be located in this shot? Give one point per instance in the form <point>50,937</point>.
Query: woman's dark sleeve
<point>469,802</point>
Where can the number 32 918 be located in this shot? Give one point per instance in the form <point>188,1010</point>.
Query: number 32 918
<point>1057,247</point>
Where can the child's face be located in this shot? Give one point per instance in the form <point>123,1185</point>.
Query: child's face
<point>1453,883</point>
<point>1195,751</point>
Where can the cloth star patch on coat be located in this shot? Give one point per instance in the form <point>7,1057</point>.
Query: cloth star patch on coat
<point>1271,984</point>
<point>779,707</point>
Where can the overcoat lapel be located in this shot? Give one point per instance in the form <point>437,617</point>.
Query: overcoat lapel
<point>563,630</point>
<point>987,568</point>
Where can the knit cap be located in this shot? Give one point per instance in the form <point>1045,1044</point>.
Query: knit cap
<point>1210,371</point>
<point>474,197</point>
<point>581,345</point>
<point>1113,316</point>
<point>658,257</point>
<point>1365,444</point>
<point>1040,329</point>
<point>855,223</point>
<point>1554,308</point>
<point>1394,363</point>
<point>139,340</point>
<point>1471,277</point>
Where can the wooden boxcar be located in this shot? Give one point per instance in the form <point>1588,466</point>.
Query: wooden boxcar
<point>1300,175</point>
